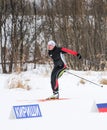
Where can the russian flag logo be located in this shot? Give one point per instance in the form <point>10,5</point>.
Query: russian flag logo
<point>102,107</point>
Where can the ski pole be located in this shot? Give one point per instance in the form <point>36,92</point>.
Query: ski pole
<point>85,79</point>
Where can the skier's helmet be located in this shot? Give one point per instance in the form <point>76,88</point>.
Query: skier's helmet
<point>52,43</point>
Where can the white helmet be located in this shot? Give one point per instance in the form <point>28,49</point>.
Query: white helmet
<point>52,43</point>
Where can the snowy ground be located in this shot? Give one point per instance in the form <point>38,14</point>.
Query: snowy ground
<point>77,113</point>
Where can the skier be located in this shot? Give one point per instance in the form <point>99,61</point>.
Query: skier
<point>56,53</point>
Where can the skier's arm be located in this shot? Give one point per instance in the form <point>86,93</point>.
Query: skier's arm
<point>71,52</point>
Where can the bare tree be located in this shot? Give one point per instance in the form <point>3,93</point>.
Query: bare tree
<point>26,27</point>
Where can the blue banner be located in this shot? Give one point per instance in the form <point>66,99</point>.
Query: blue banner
<point>27,111</point>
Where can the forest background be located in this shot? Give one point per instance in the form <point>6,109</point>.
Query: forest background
<point>27,26</point>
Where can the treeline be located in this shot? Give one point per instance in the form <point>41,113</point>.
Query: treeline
<point>26,27</point>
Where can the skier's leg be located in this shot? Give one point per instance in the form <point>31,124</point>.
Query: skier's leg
<point>61,73</point>
<point>54,81</point>
<point>54,84</point>
<point>56,73</point>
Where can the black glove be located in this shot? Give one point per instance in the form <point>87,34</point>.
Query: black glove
<point>79,56</point>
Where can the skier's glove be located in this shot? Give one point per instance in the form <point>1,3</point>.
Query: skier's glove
<point>79,56</point>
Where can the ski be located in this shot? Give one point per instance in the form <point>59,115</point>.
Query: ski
<point>43,100</point>
<point>54,99</point>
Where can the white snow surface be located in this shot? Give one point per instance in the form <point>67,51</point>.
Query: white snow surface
<point>79,112</point>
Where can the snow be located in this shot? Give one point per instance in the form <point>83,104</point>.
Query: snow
<point>78,112</point>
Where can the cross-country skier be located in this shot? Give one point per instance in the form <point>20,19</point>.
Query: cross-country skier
<point>56,53</point>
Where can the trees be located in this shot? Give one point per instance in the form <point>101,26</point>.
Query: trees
<point>26,27</point>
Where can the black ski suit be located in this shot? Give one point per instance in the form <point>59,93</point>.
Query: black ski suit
<point>59,65</point>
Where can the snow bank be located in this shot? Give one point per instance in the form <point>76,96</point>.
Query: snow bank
<point>79,112</point>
